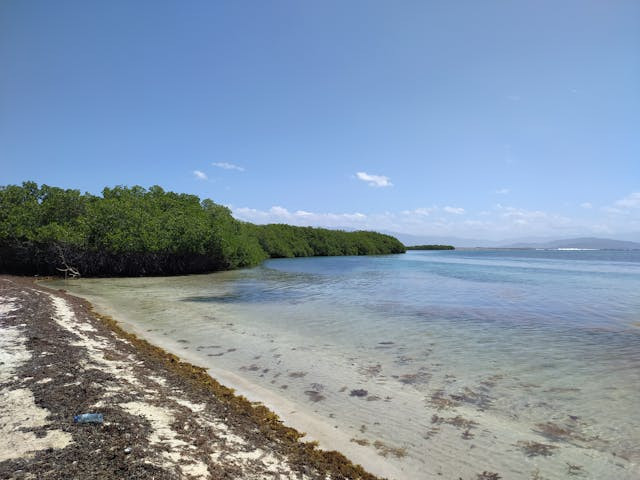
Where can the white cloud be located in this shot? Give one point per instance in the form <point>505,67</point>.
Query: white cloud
<point>228,166</point>
<point>502,191</point>
<point>613,210</point>
<point>454,210</point>
<point>374,180</point>
<point>200,175</point>
<point>420,211</point>
<point>501,222</point>
<point>279,214</point>
<point>586,205</point>
<point>630,201</point>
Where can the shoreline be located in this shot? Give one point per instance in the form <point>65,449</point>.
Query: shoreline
<point>292,414</point>
<point>311,427</point>
<point>203,418</point>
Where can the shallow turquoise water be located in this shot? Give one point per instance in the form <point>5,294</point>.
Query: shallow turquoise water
<point>520,362</point>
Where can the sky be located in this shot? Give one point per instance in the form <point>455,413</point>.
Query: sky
<point>492,119</point>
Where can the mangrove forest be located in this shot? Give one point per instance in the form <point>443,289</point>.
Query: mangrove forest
<point>132,231</point>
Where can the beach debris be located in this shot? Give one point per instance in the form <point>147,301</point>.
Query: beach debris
<point>88,418</point>
<point>297,374</point>
<point>359,393</point>
<point>536,449</point>
<point>127,450</point>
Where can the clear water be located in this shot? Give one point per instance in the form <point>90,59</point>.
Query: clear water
<point>523,363</point>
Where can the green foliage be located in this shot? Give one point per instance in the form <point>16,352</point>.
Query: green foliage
<point>135,231</point>
<point>286,241</point>
<point>431,247</point>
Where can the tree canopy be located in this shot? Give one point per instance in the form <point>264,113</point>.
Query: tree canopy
<point>138,231</point>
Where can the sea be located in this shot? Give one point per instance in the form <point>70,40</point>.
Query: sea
<point>461,364</point>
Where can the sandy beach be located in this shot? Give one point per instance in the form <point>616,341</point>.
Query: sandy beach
<point>163,418</point>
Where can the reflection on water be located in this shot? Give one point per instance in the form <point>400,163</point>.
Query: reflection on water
<point>522,363</point>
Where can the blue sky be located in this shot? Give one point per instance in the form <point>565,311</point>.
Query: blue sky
<point>493,119</point>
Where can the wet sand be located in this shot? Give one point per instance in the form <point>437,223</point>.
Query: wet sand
<point>163,418</point>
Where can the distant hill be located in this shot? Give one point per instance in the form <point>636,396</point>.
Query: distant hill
<point>586,242</point>
<point>530,242</point>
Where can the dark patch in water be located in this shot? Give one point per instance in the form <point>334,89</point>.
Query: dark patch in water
<point>385,450</point>
<point>457,421</point>
<point>420,377</point>
<point>370,370</point>
<point>250,368</point>
<point>361,441</point>
<point>556,432</point>
<point>441,401</point>
<point>488,476</point>
<point>574,469</point>
<point>536,449</point>
<point>314,395</point>
<point>479,399</point>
